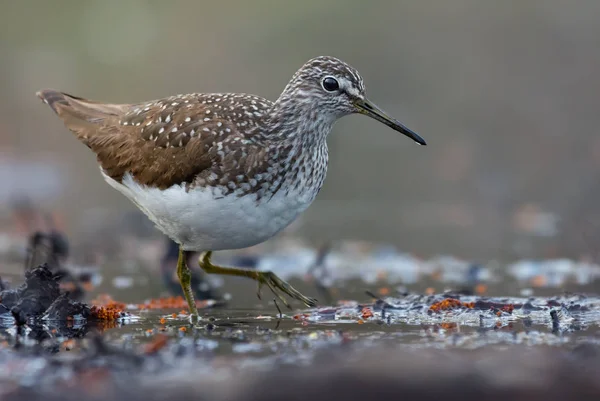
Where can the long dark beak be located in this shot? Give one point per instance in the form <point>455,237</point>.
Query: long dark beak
<point>366,107</point>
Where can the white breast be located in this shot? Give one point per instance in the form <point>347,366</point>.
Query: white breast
<point>203,219</point>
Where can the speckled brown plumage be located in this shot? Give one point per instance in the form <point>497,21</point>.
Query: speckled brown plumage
<point>169,141</point>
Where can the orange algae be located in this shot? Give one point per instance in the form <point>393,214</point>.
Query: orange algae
<point>106,309</point>
<point>450,303</point>
<point>506,308</point>
<point>177,302</point>
<point>110,312</point>
<point>165,303</point>
<point>366,313</point>
<point>448,326</point>
<point>300,316</point>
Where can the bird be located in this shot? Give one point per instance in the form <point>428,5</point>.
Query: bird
<point>221,171</point>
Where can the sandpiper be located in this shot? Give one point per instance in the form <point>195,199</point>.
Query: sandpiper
<point>217,171</point>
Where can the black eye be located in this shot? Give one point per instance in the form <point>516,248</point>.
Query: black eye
<point>331,84</point>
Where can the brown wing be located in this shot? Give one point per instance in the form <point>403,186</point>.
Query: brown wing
<point>163,142</point>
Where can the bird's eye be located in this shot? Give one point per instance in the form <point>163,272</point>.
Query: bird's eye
<point>330,84</point>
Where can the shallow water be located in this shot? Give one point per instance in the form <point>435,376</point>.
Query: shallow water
<point>405,309</point>
<point>400,321</point>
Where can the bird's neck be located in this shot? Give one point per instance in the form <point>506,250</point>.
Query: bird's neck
<point>298,120</point>
<point>300,131</point>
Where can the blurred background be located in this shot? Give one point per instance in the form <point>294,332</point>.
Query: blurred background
<point>505,93</point>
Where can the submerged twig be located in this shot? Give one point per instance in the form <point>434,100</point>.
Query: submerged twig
<point>555,316</point>
<point>20,322</point>
<point>319,263</point>
<point>278,309</point>
<point>379,301</point>
<point>280,314</point>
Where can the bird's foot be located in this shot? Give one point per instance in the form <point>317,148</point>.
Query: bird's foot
<point>275,284</point>
<point>279,286</point>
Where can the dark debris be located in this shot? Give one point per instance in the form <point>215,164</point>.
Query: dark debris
<point>35,295</point>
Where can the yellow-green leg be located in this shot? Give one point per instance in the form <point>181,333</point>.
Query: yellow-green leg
<point>185,278</point>
<point>275,284</point>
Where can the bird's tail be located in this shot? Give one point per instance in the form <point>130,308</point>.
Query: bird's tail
<point>80,115</point>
